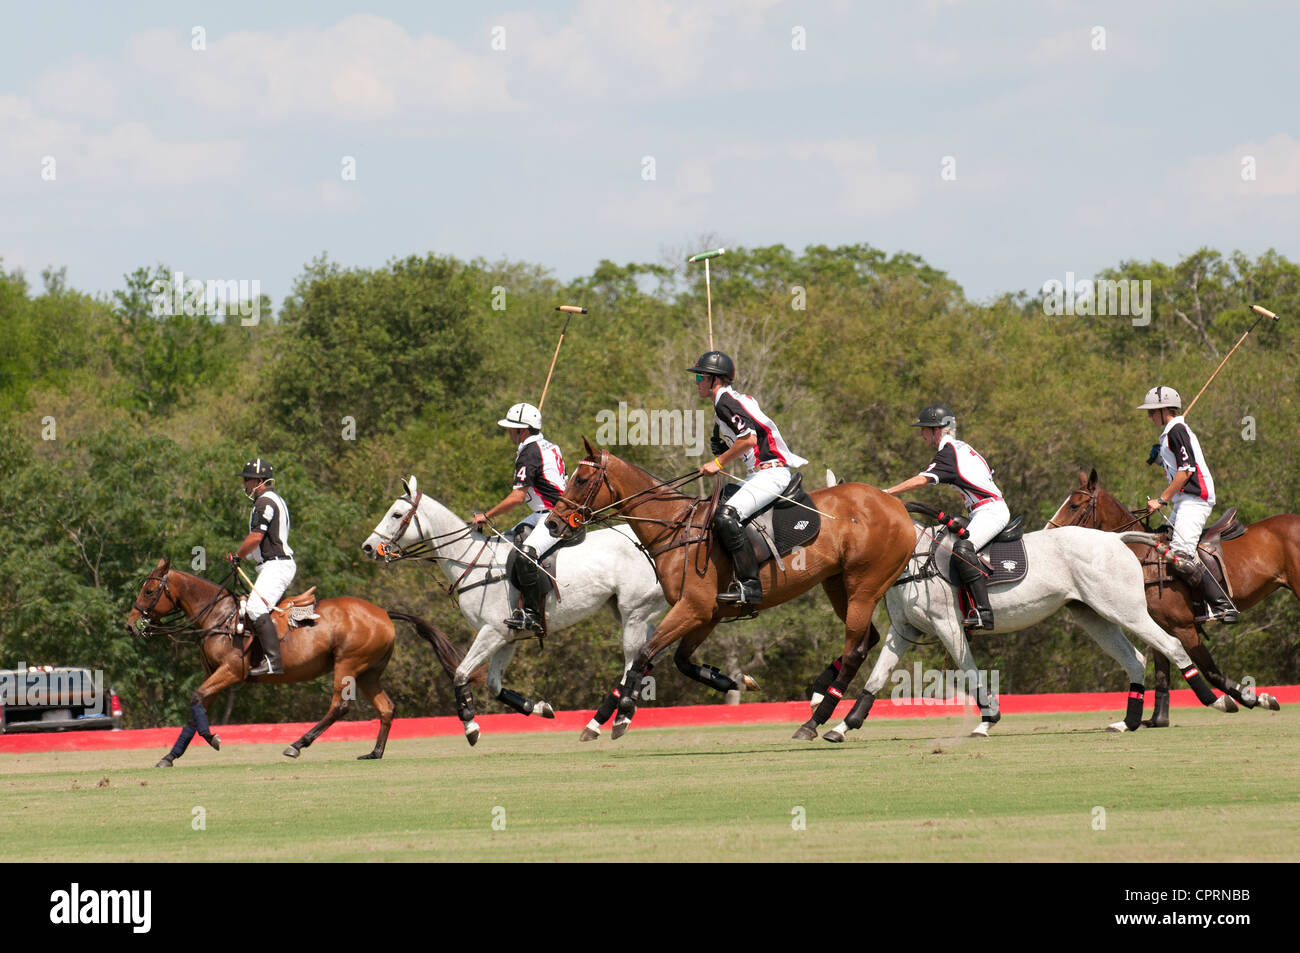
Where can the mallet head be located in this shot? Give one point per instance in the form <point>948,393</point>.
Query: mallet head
<point>707,254</point>
<point>571,309</point>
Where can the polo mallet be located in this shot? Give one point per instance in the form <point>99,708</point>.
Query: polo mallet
<point>1263,313</point>
<point>569,310</point>
<point>704,256</point>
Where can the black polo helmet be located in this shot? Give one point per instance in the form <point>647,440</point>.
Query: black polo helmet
<point>258,469</point>
<point>936,415</point>
<point>715,363</point>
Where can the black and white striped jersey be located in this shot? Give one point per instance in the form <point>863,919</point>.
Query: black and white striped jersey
<point>959,464</point>
<point>270,517</point>
<point>1180,450</point>
<point>539,471</point>
<point>739,414</point>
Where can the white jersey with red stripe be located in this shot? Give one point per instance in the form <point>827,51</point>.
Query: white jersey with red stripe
<point>961,465</point>
<point>539,472</point>
<point>739,414</point>
<point>1180,450</point>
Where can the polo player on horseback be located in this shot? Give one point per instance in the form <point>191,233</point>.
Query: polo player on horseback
<point>768,460</point>
<point>958,463</point>
<point>539,482</point>
<point>267,543</point>
<point>1191,493</point>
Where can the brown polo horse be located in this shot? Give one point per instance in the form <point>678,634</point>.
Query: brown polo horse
<point>352,637</point>
<point>1266,557</point>
<point>865,542</point>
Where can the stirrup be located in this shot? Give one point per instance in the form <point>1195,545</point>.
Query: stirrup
<point>978,620</point>
<point>264,667</point>
<point>524,619</point>
<point>741,594</point>
<point>1227,616</point>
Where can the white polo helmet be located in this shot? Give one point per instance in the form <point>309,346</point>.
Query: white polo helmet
<point>1158,397</point>
<point>521,417</point>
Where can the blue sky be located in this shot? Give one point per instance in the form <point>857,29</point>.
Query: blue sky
<point>226,162</point>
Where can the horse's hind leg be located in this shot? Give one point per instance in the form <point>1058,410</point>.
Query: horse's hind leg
<point>1193,639</point>
<point>897,639</point>
<point>344,685</point>
<point>369,683</point>
<point>1160,699</point>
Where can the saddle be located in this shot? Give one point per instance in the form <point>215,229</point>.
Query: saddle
<point>291,612</point>
<point>1208,549</point>
<point>1003,557</point>
<point>519,532</point>
<point>789,521</point>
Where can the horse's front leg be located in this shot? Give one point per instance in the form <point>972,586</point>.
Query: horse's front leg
<point>486,644</point>
<point>508,697</point>
<point>214,684</point>
<point>897,640</point>
<point>683,619</point>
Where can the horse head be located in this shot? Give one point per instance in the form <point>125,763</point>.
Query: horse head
<point>589,490</point>
<point>399,528</point>
<point>153,601</point>
<point>1092,507</point>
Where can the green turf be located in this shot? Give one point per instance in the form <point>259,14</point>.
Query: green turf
<point>1214,787</point>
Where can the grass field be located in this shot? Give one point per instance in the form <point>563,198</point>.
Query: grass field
<point>1214,787</point>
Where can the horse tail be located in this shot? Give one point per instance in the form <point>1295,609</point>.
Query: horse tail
<point>448,654</point>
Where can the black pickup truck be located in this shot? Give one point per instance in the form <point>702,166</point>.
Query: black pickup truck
<point>49,698</point>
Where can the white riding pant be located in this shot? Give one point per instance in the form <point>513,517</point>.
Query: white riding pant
<point>273,578</point>
<point>1188,518</point>
<point>986,522</point>
<point>760,488</point>
<point>540,538</point>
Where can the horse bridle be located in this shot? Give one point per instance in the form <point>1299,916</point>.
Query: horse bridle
<point>147,611</point>
<point>582,512</point>
<point>1091,509</point>
<point>394,551</point>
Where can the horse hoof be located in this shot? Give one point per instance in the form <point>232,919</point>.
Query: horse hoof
<point>1225,704</point>
<point>1154,723</point>
<point>164,763</point>
<point>1117,726</point>
<point>544,710</point>
<point>833,736</point>
<point>620,729</point>
<point>372,756</point>
<point>471,733</point>
<point>215,742</point>
<point>749,683</point>
<point>981,730</point>
<point>805,733</point>
<point>1268,701</point>
<point>588,735</point>
<point>291,752</point>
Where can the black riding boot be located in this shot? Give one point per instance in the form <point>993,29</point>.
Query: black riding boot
<point>972,577</point>
<point>530,583</point>
<point>266,634</point>
<point>1218,606</point>
<point>747,590</point>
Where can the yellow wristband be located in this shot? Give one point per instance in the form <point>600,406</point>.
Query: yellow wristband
<point>718,462</point>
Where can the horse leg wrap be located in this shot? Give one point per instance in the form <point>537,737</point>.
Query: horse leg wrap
<point>1197,683</point>
<point>860,710</point>
<point>200,719</point>
<point>182,741</point>
<point>464,703</point>
<point>826,707</point>
<point>516,701</point>
<point>825,678</point>
<point>606,710</point>
<point>707,674</point>
<point>1136,699</point>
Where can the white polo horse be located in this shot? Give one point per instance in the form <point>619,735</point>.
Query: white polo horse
<point>1091,574</point>
<point>606,570</point>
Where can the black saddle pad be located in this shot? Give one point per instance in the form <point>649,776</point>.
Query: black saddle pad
<point>789,521</point>
<point>1003,561</point>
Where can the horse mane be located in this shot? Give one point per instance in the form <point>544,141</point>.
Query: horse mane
<point>660,491</point>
